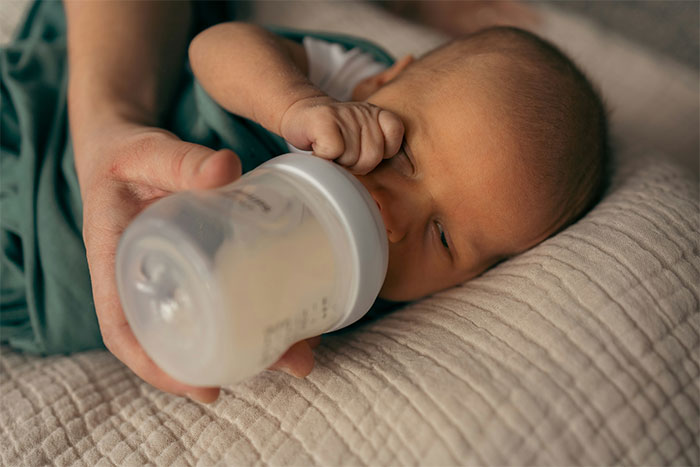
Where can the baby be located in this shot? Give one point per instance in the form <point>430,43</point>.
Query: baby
<point>474,153</point>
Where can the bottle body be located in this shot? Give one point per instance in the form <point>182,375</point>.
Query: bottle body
<point>277,272</point>
<point>218,284</point>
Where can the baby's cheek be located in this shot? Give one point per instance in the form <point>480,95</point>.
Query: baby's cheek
<point>410,277</point>
<point>401,282</point>
<point>391,289</point>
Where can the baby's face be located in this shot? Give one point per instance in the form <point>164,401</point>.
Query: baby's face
<point>456,199</point>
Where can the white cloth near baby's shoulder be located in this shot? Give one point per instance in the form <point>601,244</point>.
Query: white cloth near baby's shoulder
<point>336,71</point>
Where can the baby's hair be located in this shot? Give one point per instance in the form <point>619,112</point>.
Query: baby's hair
<point>547,103</point>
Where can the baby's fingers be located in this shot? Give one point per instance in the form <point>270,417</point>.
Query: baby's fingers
<point>392,128</point>
<point>329,141</point>
<point>351,131</point>
<point>371,150</point>
<point>380,138</point>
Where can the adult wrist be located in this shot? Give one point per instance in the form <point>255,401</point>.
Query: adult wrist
<point>97,107</point>
<point>95,122</point>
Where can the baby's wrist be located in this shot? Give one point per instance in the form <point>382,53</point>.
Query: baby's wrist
<point>295,110</point>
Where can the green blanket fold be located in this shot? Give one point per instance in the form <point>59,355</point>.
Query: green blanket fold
<point>46,299</point>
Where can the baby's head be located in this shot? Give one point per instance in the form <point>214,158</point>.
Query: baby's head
<point>505,145</point>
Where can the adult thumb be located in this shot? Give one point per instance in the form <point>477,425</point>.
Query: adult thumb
<point>175,165</point>
<point>216,169</point>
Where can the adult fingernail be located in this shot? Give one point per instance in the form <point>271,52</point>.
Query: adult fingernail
<point>203,162</point>
<point>201,398</point>
<point>287,370</point>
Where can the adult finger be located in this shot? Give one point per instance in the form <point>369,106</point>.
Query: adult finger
<point>298,360</point>
<point>314,341</point>
<point>120,340</point>
<point>170,164</point>
<point>123,344</point>
<point>101,242</point>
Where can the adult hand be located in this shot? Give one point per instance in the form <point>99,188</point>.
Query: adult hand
<point>122,169</point>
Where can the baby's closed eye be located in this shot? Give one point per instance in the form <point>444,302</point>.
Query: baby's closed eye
<point>443,237</point>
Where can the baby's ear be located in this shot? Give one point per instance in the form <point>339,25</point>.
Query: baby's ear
<point>371,84</point>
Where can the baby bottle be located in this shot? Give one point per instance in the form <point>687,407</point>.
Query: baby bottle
<point>218,284</point>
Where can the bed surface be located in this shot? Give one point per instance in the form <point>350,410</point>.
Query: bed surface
<point>584,350</point>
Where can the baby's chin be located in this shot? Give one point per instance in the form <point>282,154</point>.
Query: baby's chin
<point>398,293</point>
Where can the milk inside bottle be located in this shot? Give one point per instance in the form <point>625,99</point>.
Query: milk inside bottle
<point>217,284</point>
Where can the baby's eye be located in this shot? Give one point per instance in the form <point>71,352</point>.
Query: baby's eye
<point>443,237</point>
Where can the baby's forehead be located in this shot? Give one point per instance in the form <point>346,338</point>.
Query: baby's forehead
<point>450,71</point>
<point>460,55</point>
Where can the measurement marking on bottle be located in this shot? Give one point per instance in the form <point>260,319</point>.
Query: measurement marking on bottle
<point>276,337</point>
<point>280,334</point>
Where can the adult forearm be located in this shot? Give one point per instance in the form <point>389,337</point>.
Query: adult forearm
<point>250,71</point>
<point>125,59</point>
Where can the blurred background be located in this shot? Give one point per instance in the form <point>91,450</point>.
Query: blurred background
<point>666,26</point>
<point>670,27</point>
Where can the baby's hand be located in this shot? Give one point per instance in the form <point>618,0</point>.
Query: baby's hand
<point>356,135</point>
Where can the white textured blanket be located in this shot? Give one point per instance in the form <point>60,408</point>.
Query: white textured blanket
<point>584,350</point>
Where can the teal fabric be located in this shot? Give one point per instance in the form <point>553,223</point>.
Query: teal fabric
<point>46,300</point>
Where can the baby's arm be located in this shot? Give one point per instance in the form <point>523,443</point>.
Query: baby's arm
<point>262,77</point>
